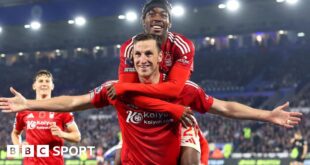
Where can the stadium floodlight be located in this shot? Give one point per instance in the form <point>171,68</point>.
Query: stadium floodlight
<point>2,55</point>
<point>281,32</point>
<point>79,49</point>
<point>35,25</point>
<point>118,46</point>
<point>121,17</point>
<point>178,10</point>
<point>301,34</point>
<point>280,1</point>
<point>0,29</point>
<point>233,5</point>
<point>131,16</point>
<point>291,2</point>
<point>231,36</point>
<point>20,53</point>
<point>57,51</point>
<point>212,41</point>
<point>259,38</point>
<point>221,6</point>
<point>71,22</point>
<point>97,48</point>
<point>80,21</point>
<point>27,26</point>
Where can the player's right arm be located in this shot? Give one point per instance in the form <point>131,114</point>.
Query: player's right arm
<point>56,104</point>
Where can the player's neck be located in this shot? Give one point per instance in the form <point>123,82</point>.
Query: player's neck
<point>153,79</point>
<point>42,96</point>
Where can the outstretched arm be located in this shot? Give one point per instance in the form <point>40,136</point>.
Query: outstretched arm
<point>56,104</point>
<point>236,110</point>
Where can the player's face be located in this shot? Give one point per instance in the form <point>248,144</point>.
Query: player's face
<point>146,57</point>
<point>157,22</point>
<point>43,85</point>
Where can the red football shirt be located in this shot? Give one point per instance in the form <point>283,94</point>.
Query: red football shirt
<point>177,63</point>
<point>148,137</point>
<point>151,137</point>
<point>36,125</point>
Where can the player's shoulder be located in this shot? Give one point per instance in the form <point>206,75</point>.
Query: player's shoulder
<point>182,43</point>
<point>23,113</point>
<point>127,47</point>
<point>179,37</point>
<point>191,84</point>
<point>191,87</point>
<point>109,82</point>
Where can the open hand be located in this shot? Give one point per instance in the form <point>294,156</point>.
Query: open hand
<point>13,104</point>
<point>284,118</point>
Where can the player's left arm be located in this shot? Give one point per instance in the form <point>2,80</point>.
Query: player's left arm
<point>204,103</point>
<point>278,116</point>
<point>179,73</point>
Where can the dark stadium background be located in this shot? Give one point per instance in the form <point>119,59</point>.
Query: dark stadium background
<point>258,55</point>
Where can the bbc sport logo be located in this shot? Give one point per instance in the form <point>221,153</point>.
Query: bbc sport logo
<point>43,150</point>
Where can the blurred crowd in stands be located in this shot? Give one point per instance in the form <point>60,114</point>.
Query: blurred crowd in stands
<point>259,76</point>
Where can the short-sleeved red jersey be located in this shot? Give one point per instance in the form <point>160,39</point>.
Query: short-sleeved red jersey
<point>37,127</point>
<point>151,137</point>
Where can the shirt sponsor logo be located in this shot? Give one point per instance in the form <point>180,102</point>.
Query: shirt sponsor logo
<point>38,124</point>
<point>149,118</point>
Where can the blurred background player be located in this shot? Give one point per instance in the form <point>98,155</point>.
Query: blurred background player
<point>146,59</point>
<point>302,147</point>
<point>44,128</point>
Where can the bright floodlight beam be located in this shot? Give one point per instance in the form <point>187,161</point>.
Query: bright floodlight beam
<point>178,10</point>
<point>280,1</point>
<point>233,5</point>
<point>0,29</point>
<point>292,2</point>
<point>131,16</point>
<point>221,6</point>
<point>35,25</point>
<point>80,21</point>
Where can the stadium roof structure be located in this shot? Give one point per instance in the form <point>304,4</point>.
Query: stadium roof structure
<point>103,27</point>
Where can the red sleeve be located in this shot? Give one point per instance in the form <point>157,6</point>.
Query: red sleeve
<point>201,101</point>
<point>179,73</point>
<point>99,97</point>
<point>68,118</point>
<point>204,147</point>
<point>126,70</point>
<point>19,123</point>
<point>158,105</point>
<point>170,89</point>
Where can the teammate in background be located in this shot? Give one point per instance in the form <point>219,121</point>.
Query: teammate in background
<point>44,128</point>
<point>302,146</point>
<point>148,136</point>
<point>177,51</point>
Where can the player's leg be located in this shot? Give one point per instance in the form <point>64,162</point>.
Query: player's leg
<point>189,156</point>
<point>190,146</point>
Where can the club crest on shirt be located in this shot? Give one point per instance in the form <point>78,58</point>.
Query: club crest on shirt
<point>168,59</point>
